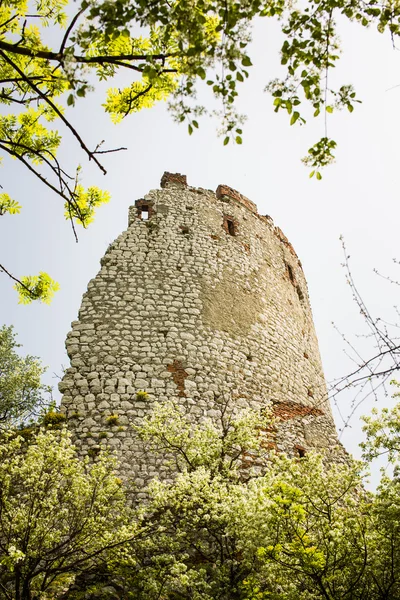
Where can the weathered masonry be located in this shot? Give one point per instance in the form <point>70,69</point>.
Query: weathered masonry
<point>199,301</point>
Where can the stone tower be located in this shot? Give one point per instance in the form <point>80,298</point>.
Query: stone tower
<point>200,300</point>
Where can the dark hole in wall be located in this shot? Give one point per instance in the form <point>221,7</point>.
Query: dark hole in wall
<point>290,273</point>
<point>231,227</point>
<point>301,451</point>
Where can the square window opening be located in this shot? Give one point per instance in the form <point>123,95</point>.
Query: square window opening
<point>144,213</point>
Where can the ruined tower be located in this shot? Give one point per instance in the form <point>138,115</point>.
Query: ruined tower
<point>200,300</point>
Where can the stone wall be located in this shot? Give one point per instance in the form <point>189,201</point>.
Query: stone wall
<point>201,300</point>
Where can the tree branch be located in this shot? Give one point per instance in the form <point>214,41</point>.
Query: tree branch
<point>42,179</point>
<point>56,110</point>
<point>57,56</point>
<point>17,281</point>
<point>69,29</point>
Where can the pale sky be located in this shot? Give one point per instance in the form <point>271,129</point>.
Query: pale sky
<point>357,198</point>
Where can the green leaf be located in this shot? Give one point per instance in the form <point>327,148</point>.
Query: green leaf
<point>246,62</point>
<point>201,73</point>
<point>36,287</point>
<point>190,129</point>
<point>238,139</point>
<point>226,140</point>
<point>312,174</point>
<point>318,175</point>
<point>329,109</point>
<point>294,118</point>
<point>71,100</point>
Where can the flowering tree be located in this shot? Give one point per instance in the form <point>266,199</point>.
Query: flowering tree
<point>281,529</point>
<point>231,520</point>
<point>59,516</point>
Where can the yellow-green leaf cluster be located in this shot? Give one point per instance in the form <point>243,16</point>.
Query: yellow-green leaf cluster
<point>7,205</point>
<point>139,95</point>
<point>84,204</point>
<point>36,287</point>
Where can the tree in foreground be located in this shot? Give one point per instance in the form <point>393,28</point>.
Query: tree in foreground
<point>235,521</point>
<point>59,517</point>
<point>162,49</point>
<point>22,395</point>
<point>283,528</point>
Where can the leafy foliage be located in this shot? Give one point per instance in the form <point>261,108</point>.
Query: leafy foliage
<point>382,429</point>
<point>166,48</point>
<point>281,529</point>
<point>36,287</point>
<point>219,525</point>
<point>59,515</point>
<point>21,393</point>
<point>8,205</point>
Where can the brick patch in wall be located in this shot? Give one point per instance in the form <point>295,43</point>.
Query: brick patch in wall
<point>178,375</point>
<point>282,237</point>
<point>142,205</point>
<point>291,410</point>
<point>173,178</point>
<point>225,190</point>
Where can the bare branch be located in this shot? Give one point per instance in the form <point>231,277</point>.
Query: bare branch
<point>69,29</point>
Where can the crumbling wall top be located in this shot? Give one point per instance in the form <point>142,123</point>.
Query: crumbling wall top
<point>224,191</point>
<point>175,178</point>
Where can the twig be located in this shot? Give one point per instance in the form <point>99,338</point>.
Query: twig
<point>69,29</point>
<point>56,110</point>
<point>18,281</point>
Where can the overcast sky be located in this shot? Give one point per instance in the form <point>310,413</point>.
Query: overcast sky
<point>357,198</point>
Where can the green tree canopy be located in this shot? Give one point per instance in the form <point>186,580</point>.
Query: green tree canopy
<point>59,515</point>
<point>22,394</point>
<point>165,48</point>
<point>231,519</point>
<point>238,523</point>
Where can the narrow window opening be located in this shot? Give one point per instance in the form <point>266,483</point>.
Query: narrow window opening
<point>231,227</point>
<point>290,273</point>
<point>301,451</point>
<point>144,213</point>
